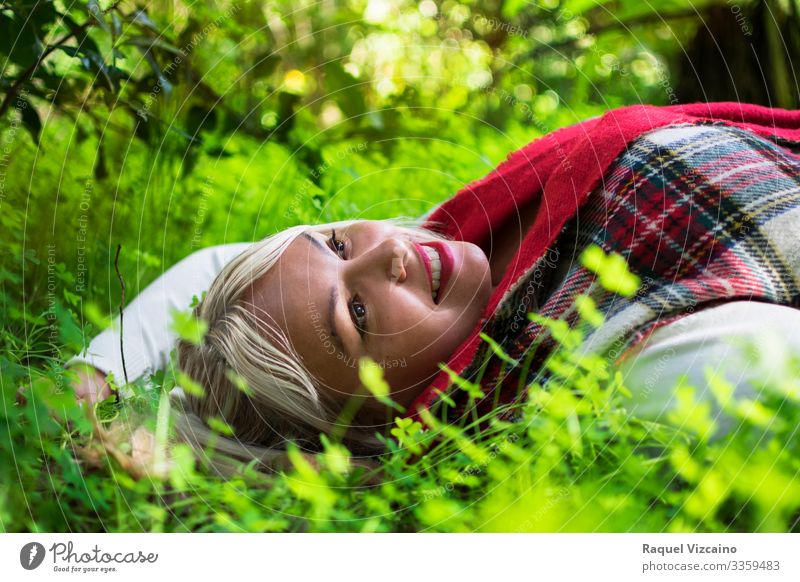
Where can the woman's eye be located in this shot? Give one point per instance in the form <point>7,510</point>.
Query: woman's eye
<point>338,246</point>
<point>359,312</point>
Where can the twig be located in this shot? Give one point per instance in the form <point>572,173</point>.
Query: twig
<point>121,307</point>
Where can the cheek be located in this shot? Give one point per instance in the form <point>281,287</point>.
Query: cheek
<point>413,358</point>
<point>443,336</point>
<point>423,337</point>
<point>405,314</point>
<point>456,323</point>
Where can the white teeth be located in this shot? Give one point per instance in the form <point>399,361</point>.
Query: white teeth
<point>436,269</point>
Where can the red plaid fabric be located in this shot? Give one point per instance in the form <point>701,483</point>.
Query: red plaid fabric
<point>703,210</point>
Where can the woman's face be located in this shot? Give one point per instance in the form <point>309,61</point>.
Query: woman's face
<point>369,293</point>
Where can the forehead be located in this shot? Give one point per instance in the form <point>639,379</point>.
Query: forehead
<point>295,284</point>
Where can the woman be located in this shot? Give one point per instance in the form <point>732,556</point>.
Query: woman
<point>702,200</point>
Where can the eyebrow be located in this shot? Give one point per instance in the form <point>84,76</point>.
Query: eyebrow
<point>332,300</point>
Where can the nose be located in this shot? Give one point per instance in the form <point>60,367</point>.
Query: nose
<point>399,259</point>
<point>388,258</point>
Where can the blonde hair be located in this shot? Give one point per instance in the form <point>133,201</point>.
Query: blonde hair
<point>284,402</point>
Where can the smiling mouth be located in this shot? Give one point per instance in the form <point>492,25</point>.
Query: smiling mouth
<point>436,270</point>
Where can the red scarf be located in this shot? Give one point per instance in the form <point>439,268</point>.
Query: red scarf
<point>562,168</point>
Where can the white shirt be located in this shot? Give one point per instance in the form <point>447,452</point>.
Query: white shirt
<point>747,342</point>
<point>711,337</point>
<point>148,339</point>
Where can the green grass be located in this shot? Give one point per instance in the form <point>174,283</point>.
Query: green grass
<point>577,461</point>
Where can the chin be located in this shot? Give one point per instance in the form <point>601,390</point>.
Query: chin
<point>481,260</point>
<point>479,270</point>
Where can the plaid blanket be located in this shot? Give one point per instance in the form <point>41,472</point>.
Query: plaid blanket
<point>703,213</point>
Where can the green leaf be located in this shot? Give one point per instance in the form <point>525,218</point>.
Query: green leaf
<point>472,389</point>
<point>336,456</point>
<point>371,376</point>
<point>162,430</point>
<point>197,301</point>
<point>188,327</point>
<point>612,271</point>
<point>498,350</point>
<point>72,298</point>
<point>408,432</point>
<point>588,311</point>
<point>188,385</point>
<point>444,397</point>
<point>691,414</point>
<point>97,317</point>
<point>218,425</point>
<point>239,382</point>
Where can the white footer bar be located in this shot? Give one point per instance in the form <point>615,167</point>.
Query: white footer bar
<point>416,557</point>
